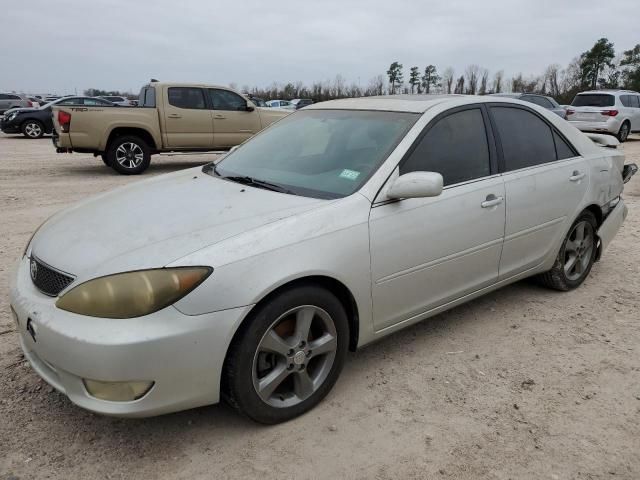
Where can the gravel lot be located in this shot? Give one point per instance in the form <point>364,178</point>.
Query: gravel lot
<point>524,383</point>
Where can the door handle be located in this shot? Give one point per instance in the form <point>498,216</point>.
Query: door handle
<point>492,201</point>
<point>219,116</point>
<point>174,115</point>
<point>576,176</point>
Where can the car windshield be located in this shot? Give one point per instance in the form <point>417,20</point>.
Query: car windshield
<point>318,153</point>
<point>593,100</point>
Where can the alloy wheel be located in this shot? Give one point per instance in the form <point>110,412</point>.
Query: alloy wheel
<point>295,356</point>
<point>33,130</point>
<point>578,250</point>
<point>129,155</point>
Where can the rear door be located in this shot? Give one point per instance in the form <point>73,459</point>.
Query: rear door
<point>233,122</point>
<point>545,180</point>
<point>635,109</point>
<point>426,252</point>
<point>187,120</point>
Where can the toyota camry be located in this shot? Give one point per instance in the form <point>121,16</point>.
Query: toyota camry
<point>248,280</point>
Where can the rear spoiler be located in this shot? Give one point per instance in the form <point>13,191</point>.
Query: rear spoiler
<point>603,140</point>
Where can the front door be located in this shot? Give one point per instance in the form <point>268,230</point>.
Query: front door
<point>426,252</point>
<point>233,123</point>
<point>187,121</point>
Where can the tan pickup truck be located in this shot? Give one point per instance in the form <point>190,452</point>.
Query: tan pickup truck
<point>170,117</point>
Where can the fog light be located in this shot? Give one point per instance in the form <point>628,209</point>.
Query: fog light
<point>117,391</point>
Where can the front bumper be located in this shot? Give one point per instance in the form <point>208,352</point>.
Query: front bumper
<point>9,126</point>
<point>182,354</point>
<point>611,125</point>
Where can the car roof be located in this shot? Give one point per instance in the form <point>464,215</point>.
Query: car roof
<point>407,103</point>
<point>606,92</point>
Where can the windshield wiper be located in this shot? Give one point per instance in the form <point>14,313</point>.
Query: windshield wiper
<point>246,180</point>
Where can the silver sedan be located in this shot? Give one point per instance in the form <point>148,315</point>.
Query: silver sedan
<point>249,280</point>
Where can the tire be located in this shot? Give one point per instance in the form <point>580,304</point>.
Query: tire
<point>271,345</point>
<point>32,129</point>
<point>128,155</point>
<point>624,131</point>
<point>565,275</point>
<point>105,159</point>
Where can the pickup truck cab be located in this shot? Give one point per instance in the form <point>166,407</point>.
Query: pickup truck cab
<point>170,117</point>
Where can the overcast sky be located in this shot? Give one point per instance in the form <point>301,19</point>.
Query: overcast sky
<point>67,45</point>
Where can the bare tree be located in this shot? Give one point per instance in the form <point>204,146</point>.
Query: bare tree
<point>459,85</point>
<point>498,79</point>
<point>471,75</point>
<point>552,79</point>
<point>484,78</point>
<point>447,78</point>
<point>376,86</point>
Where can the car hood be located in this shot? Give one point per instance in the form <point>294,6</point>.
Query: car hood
<point>152,223</point>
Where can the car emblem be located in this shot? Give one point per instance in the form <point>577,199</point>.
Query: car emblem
<point>34,269</point>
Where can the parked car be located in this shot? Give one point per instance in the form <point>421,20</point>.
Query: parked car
<point>35,101</point>
<point>542,100</point>
<point>284,104</point>
<point>257,101</point>
<point>177,117</point>
<point>35,122</point>
<point>299,103</point>
<point>13,100</point>
<point>122,101</point>
<point>616,112</point>
<point>250,279</point>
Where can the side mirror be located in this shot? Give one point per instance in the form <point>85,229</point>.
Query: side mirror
<point>249,108</point>
<point>416,185</point>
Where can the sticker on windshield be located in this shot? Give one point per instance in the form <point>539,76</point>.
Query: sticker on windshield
<point>349,174</point>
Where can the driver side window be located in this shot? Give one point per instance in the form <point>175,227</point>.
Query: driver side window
<point>455,146</point>
<point>226,100</point>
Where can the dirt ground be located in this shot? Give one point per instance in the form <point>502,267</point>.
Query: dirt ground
<point>524,383</point>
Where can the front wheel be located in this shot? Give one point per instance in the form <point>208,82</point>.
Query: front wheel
<point>576,256</point>
<point>128,155</point>
<point>33,129</point>
<point>287,356</point>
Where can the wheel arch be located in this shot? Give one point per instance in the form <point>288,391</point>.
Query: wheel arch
<point>339,289</point>
<point>134,131</point>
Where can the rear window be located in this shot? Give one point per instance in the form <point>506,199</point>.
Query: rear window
<point>147,97</point>
<point>593,100</point>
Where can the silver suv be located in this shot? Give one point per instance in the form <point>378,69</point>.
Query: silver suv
<point>616,112</point>
<point>13,100</point>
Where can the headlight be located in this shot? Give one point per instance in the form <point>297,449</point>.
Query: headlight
<point>12,116</point>
<point>132,294</point>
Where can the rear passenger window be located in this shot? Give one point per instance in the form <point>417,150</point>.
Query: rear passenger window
<point>635,101</point>
<point>625,100</point>
<point>456,147</point>
<point>526,139</point>
<point>563,149</point>
<point>186,97</point>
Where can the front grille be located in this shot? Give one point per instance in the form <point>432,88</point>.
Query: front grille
<point>48,280</point>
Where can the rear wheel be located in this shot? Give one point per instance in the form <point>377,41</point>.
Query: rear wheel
<point>576,256</point>
<point>33,129</point>
<point>288,355</point>
<point>128,155</point>
<point>624,131</point>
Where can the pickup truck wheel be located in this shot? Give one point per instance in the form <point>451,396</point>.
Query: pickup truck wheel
<point>32,129</point>
<point>576,256</point>
<point>105,159</point>
<point>128,155</point>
